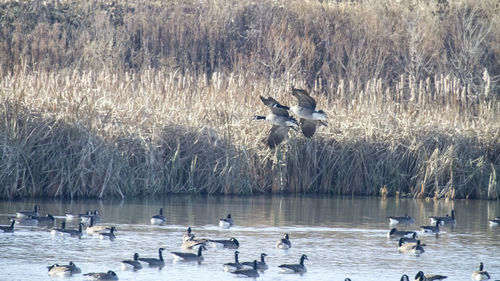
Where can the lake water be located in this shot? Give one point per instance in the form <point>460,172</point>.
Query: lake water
<point>342,237</point>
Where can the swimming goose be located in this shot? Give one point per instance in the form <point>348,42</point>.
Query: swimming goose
<point>248,272</point>
<point>95,229</point>
<point>261,265</point>
<point>395,233</point>
<point>446,220</point>
<point>193,242</point>
<point>63,270</point>
<point>480,274</point>
<point>232,243</point>
<point>110,275</point>
<point>48,219</point>
<point>428,277</point>
<point>280,119</point>
<point>494,222</point>
<point>189,256</point>
<point>132,264</point>
<point>401,220</point>
<point>188,235</point>
<point>155,262</point>
<point>91,215</point>
<point>8,228</point>
<point>108,235</point>
<point>57,230</point>
<point>74,232</point>
<point>227,222</point>
<point>22,214</point>
<point>232,266</point>
<point>412,239</point>
<point>306,111</point>
<point>430,228</point>
<point>295,268</point>
<point>413,248</point>
<point>284,242</point>
<point>158,219</point>
<point>26,221</point>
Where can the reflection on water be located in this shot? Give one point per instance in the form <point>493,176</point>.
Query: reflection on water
<point>342,237</point>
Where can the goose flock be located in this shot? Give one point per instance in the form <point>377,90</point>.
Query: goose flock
<point>193,247</point>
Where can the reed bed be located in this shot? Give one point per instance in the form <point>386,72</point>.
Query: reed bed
<point>133,98</point>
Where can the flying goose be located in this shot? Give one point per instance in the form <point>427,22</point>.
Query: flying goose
<point>480,274</point>
<point>189,256</point>
<point>110,275</point>
<point>57,230</point>
<point>73,232</point>
<point>232,266</point>
<point>158,219</point>
<point>63,270</point>
<point>155,262</point>
<point>280,119</point>
<point>34,213</point>
<point>188,235</point>
<point>413,248</point>
<point>284,242</point>
<point>261,265</point>
<point>108,235</point>
<point>430,228</point>
<point>446,220</point>
<point>132,264</point>
<point>248,272</point>
<point>95,229</point>
<point>295,268</point>
<point>8,228</point>
<point>401,220</point>
<point>428,277</point>
<point>306,111</point>
<point>395,233</point>
<point>226,222</point>
<point>232,243</point>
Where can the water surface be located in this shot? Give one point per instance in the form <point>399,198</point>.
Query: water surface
<point>343,237</point>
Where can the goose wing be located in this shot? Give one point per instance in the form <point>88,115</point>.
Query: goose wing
<point>276,135</point>
<point>275,106</point>
<point>305,100</point>
<point>308,127</point>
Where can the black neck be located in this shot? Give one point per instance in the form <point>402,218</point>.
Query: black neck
<point>258,117</point>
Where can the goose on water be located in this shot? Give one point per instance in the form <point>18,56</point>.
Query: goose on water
<point>295,268</point>
<point>158,219</point>
<point>446,220</point>
<point>261,265</point>
<point>405,220</point>
<point>248,272</point>
<point>180,256</point>
<point>480,274</point>
<point>428,277</point>
<point>231,243</point>
<point>284,242</point>
<point>232,266</point>
<point>132,264</point>
<point>8,228</point>
<point>34,213</point>
<point>226,222</point>
<point>110,275</point>
<point>155,262</point>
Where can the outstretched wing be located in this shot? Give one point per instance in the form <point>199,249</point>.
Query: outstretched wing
<point>277,135</point>
<point>305,100</point>
<point>308,127</point>
<point>275,106</point>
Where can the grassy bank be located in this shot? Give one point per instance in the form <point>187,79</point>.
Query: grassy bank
<point>125,98</point>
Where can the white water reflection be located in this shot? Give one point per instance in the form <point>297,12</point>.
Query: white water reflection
<point>342,237</point>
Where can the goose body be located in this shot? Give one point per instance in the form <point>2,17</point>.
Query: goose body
<point>34,213</point>
<point>395,233</point>
<point>233,266</point>
<point>428,277</point>
<point>8,228</point>
<point>406,220</point>
<point>110,275</point>
<point>155,262</point>
<point>159,219</point>
<point>26,221</point>
<point>73,232</point>
<point>480,274</point>
<point>48,219</point>
<point>295,268</point>
<point>404,278</point>
<point>91,215</point>
<point>226,222</point>
<point>193,242</point>
<point>280,119</point>
<point>412,239</point>
<point>306,111</point>
<point>248,272</point>
<point>63,270</point>
<point>284,242</point>
<point>413,248</point>
<point>446,220</point>
<point>59,230</point>
<point>494,222</point>
<point>232,243</point>
<point>430,228</point>
<point>188,235</point>
<point>180,256</point>
<point>132,264</point>
<point>95,229</point>
<point>108,235</point>
<point>261,265</point>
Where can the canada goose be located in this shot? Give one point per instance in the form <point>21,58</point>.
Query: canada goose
<point>306,111</point>
<point>480,274</point>
<point>395,233</point>
<point>295,268</point>
<point>57,230</point>
<point>248,272</point>
<point>412,239</point>
<point>284,242</point>
<point>401,220</point>
<point>110,275</point>
<point>63,270</point>
<point>227,222</point>
<point>48,219</point>
<point>494,222</point>
<point>8,228</point>
<point>26,221</point>
<point>404,278</point>
<point>232,243</point>
<point>193,242</point>
<point>95,229</point>
<point>155,262</point>
<point>232,266</point>
<point>22,214</point>
<point>446,220</point>
<point>428,277</point>
<point>189,256</point>
<point>188,235</point>
<point>430,228</point>
<point>280,119</point>
<point>108,235</point>
<point>413,248</point>
<point>91,215</point>
<point>73,232</point>
<point>261,265</point>
<point>158,219</point>
<point>132,264</point>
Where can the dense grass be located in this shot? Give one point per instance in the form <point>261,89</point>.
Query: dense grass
<point>130,98</point>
